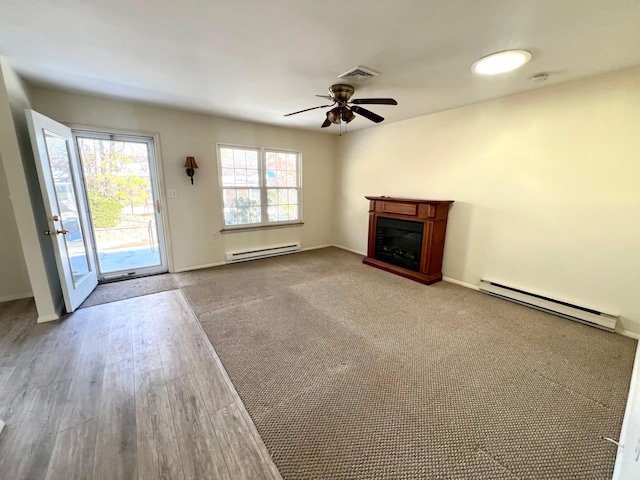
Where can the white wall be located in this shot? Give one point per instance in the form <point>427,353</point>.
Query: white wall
<point>14,279</point>
<point>26,199</point>
<point>195,217</point>
<point>546,188</point>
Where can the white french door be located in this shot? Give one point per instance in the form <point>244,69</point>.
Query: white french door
<point>59,174</point>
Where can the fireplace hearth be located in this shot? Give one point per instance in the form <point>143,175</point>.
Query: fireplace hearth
<point>406,237</point>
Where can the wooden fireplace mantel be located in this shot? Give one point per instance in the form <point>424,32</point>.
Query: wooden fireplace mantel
<point>432,214</point>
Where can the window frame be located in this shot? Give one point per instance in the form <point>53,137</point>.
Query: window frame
<point>262,163</point>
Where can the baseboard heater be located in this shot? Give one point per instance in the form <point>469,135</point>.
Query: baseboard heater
<point>262,253</point>
<point>578,313</point>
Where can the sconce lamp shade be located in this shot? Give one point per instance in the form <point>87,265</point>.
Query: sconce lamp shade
<point>191,165</point>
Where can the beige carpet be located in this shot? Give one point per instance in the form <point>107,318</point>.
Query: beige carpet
<point>136,287</point>
<point>350,372</point>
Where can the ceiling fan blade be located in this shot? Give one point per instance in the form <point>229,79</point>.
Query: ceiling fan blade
<point>367,114</point>
<point>374,101</point>
<point>326,123</point>
<point>307,109</point>
<point>328,97</point>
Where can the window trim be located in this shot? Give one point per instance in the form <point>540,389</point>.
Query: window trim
<point>263,189</point>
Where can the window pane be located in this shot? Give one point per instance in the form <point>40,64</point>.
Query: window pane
<point>271,160</point>
<point>293,196</point>
<point>282,213</point>
<point>292,180</point>
<point>243,216</point>
<point>270,177</point>
<point>272,196</point>
<point>239,159</point>
<point>252,159</point>
<point>253,178</point>
<point>272,214</point>
<point>239,167</point>
<point>255,215</point>
<point>281,169</point>
<point>243,197</point>
<point>230,216</point>
<point>283,196</point>
<point>293,212</point>
<point>228,179</point>
<point>229,197</point>
<point>240,178</point>
<point>226,157</point>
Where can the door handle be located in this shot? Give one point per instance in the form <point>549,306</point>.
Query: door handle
<point>56,232</point>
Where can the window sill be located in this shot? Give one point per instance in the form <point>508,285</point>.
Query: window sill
<point>224,231</point>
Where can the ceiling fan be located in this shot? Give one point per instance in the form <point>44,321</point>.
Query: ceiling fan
<point>345,109</point>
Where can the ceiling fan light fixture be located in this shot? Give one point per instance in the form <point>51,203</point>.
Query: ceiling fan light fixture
<point>334,115</point>
<point>501,62</point>
<point>347,115</point>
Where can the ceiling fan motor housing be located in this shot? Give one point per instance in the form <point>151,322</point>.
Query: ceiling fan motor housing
<point>341,92</point>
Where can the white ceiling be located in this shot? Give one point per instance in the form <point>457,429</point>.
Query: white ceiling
<point>257,60</point>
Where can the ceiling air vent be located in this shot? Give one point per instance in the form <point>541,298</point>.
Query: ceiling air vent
<point>359,74</point>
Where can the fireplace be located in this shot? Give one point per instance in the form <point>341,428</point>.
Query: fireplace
<point>399,242</point>
<point>406,237</point>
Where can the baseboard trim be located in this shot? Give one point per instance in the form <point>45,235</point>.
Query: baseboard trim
<point>462,284</point>
<point>348,249</point>
<point>199,267</point>
<point>52,316</point>
<point>316,248</point>
<point>630,334</point>
<point>17,296</point>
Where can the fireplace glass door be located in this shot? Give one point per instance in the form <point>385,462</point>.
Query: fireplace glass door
<point>399,242</point>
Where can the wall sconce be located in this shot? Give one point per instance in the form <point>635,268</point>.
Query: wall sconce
<point>191,166</point>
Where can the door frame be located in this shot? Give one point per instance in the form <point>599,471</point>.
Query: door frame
<point>159,172</point>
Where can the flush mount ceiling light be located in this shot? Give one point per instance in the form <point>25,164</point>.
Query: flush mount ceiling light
<point>501,62</point>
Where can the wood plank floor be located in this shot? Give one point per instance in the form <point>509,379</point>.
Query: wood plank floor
<point>124,390</point>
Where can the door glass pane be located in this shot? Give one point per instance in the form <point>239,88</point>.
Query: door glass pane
<point>118,179</point>
<point>59,160</point>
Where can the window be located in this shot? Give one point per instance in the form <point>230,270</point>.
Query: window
<point>259,186</point>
